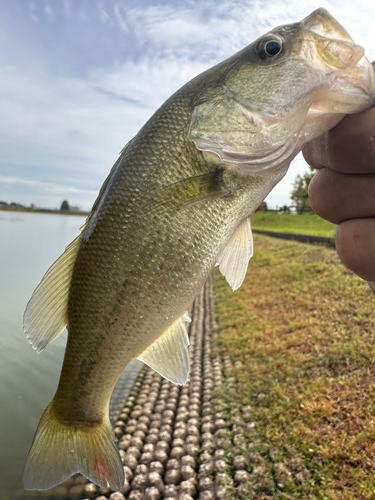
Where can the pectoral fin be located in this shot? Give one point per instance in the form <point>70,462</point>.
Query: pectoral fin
<point>169,354</point>
<point>234,259</point>
<point>193,190</point>
<point>46,313</point>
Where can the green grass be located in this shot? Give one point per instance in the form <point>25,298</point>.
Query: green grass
<point>292,223</point>
<point>303,327</point>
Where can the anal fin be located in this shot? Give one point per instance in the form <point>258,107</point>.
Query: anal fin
<point>169,354</point>
<point>234,260</point>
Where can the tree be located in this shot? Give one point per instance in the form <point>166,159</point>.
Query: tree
<point>65,205</point>
<point>299,194</point>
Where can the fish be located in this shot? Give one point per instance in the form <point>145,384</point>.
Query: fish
<point>176,203</point>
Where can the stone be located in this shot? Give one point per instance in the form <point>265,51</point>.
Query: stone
<point>188,460</point>
<point>155,479</point>
<point>128,473</point>
<point>177,452</point>
<point>220,465</point>
<point>116,496</point>
<point>172,476</point>
<point>239,462</point>
<point>90,490</point>
<point>157,467</point>
<point>188,487</point>
<point>141,469</point>
<point>139,482</point>
<point>241,476</point>
<point>152,493</point>
<point>187,472</point>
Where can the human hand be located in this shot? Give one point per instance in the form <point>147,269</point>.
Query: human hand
<point>343,190</point>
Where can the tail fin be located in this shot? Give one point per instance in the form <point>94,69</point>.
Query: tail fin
<point>61,450</point>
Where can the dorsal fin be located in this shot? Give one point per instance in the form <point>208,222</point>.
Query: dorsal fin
<point>104,186</point>
<point>169,354</point>
<point>235,257</point>
<point>46,312</point>
<point>107,179</point>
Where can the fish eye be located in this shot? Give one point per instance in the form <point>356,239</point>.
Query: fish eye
<point>272,48</point>
<point>269,47</point>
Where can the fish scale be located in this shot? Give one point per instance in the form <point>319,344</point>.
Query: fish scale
<point>176,203</point>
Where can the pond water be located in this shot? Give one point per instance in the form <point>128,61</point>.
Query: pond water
<point>29,244</point>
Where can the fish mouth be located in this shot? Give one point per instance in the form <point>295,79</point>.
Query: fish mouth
<point>255,161</point>
<point>330,48</point>
<point>323,24</point>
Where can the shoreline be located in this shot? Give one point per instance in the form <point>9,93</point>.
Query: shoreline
<point>44,211</point>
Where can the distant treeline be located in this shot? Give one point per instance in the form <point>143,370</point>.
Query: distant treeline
<point>18,207</point>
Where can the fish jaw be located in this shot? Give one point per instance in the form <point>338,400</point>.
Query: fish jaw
<point>350,77</point>
<point>262,112</point>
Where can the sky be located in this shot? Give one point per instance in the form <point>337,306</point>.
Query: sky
<point>80,77</point>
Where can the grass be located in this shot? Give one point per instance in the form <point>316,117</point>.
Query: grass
<point>292,223</point>
<point>303,327</point>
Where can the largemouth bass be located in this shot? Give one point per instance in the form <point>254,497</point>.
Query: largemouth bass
<point>177,202</point>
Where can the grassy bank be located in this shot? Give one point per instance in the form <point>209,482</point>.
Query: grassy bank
<point>303,326</point>
<point>291,223</point>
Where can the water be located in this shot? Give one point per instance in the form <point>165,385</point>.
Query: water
<point>29,244</point>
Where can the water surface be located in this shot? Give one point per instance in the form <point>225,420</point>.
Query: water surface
<point>29,244</point>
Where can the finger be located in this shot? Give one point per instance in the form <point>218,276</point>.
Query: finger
<point>337,197</point>
<point>355,245</point>
<point>349,147</point>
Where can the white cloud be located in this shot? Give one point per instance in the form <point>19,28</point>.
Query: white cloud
<point>63,117</point>
<point>174,30</point>
<point>120,19</point>
<point>103,15</point>
<point>46,186</point>
<point>159,77</point>
<point>48,10</point>
<point>33,9</point>
<point>220,29</point>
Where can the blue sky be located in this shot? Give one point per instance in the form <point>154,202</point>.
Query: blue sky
<point>80,77</point>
